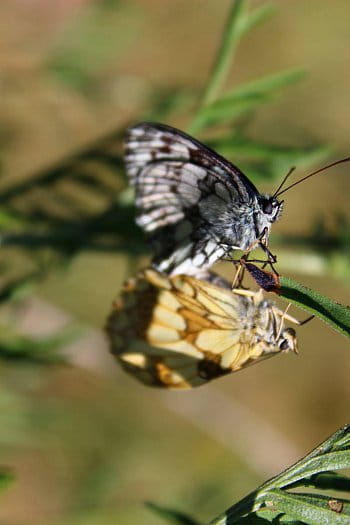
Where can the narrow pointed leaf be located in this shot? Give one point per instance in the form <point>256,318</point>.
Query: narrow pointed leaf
<point>326,480</point>
<point>257,16</point>
<point>6,478</point>
<point>225,110</point>
<point>245,98</point>
<point>266,85</point>
<point>255,519</point>
<point>245,147</point>
<point>335,314</point>
<point>324,501</point>
<point>171,515</point>
<point>45,351</point>
<point>312,511</point>
<point>323,463</point>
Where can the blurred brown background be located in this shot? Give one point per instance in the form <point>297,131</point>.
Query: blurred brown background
<point>86,442</point>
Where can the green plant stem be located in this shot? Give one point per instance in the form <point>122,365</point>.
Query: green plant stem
<point>231,37</point>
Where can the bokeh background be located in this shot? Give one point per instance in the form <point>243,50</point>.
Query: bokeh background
<point>86,443</point>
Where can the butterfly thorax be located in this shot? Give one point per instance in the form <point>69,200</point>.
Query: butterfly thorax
<point>234,223</point>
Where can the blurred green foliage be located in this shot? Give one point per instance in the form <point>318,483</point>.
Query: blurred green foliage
<point>171,515</point>
<point>90,42</point>
<point>44,350</point>
<point>6,478</point>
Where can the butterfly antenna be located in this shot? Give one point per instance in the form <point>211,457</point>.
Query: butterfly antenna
<point>341,161</point>
<point>283,182</point>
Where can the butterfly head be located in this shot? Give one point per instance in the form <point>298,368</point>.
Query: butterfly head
<point>271,207</point>
<point>287,340</point>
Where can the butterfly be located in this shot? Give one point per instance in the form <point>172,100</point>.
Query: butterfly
<point>194,205</point>
<point>180,332</point>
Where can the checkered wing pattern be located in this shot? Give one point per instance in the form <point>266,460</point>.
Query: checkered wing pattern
<point>189,198</point>
<point>181,332</point>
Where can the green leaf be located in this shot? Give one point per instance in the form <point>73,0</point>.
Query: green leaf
<point>168,101</point>
<point>330,461</point>
<point>267,85</point>
<point>225,110</point>
<point>242,146</point>
<point>171,515</point>
<point>14,347</point>
<point>255,17</point>
<point>275,517</point>
<point>312,510</point>
<point>18,288</point>
<point>335,314</point>
<point>255,519</point>
<point>6,478</point>
<point>326,480</point>
<point>9,219</point>
<point>266,161</point>
<point>244,98</point>
<point>323,501</point>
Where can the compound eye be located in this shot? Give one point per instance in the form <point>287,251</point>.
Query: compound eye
<point>267,207</point>
<point>284,345</point>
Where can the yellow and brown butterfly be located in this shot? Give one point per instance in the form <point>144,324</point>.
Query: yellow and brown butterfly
<point>181,332</point>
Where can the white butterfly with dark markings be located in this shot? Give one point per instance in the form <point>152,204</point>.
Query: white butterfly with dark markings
<point>195,206</point>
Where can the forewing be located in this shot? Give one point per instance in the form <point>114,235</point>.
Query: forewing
<point>149,142</point>
<point>179,332</point>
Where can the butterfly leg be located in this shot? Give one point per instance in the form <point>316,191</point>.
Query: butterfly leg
<point>261,241</point>
<point>292,319</point>
<point>279,318</point>
<point>271,258</point>
<point>297,321</point>
<point>239,275</point>
<point>283,317</point>
<point>249,293</point>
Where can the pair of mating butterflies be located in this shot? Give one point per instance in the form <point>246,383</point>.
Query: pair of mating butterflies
<point>170,328</point>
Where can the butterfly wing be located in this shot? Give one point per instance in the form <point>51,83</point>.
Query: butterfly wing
<point>189,198</point>
<point>179,332</point>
